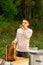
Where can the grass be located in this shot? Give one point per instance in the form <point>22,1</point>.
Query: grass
<point>8,33</point>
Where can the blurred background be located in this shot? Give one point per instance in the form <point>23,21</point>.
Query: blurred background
<point>12,12</point>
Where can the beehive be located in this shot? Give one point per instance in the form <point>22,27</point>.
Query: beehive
<point>10,52</point>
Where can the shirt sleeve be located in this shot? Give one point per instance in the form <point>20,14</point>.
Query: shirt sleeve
<point>28,34</point>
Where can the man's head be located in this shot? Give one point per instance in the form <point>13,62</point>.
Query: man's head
<point>25,23</point>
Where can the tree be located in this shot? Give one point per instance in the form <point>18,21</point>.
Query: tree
<point>24,8</point>
<point>8,8</point>
<point>29,4</point>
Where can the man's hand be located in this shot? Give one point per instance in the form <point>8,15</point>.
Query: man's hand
<point>13,43</point>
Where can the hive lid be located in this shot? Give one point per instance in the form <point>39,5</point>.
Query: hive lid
<point>36,51</point>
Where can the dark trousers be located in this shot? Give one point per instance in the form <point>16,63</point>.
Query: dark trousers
<point>22,54</point>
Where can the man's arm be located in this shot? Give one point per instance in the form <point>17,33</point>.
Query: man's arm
<point>28,34</point>
<point>15,40</point>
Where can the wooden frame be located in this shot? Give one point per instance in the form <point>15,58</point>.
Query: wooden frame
<point>10,52</point>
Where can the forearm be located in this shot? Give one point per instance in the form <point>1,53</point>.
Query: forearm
<point>14,41</point>
<point>28,34</point>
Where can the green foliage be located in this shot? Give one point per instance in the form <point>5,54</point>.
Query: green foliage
<point>18,2</point>
<point>36,25</point>
<point>29,3</point>
<point>9,9</point>
<point>7,34</point>
<point>37,40</point>
<point>19,9</point>
<point>8,29</point>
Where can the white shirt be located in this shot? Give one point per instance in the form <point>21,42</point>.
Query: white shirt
<point>22,39</point>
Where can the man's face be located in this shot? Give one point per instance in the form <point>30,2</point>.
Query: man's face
<point>25,23</point>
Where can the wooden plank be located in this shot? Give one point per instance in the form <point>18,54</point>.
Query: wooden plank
<point>21,61</point>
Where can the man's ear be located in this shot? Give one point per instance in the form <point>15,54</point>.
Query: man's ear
<point>28,24</point>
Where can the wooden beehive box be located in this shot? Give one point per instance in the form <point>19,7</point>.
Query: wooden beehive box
<point>10,52</point>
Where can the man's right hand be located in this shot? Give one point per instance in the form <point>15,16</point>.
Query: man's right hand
<point>13,42</point>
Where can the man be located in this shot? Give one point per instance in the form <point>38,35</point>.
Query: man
<point>22,39</point>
